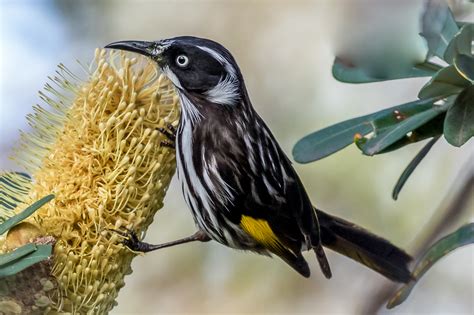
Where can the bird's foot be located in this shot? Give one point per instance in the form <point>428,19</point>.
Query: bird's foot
<point>170,133</point>
<point>132,241</point>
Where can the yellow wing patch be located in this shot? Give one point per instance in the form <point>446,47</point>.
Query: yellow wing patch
<point>261,232</point>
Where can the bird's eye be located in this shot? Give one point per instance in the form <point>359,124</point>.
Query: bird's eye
<point>182,61</point>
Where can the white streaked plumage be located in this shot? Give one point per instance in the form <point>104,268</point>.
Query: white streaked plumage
<point>248,145</point>
<point>185,147</point>
<point>224,190</point>
<point>189,111</point>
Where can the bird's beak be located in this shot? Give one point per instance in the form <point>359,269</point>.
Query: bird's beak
<point>148,49</point>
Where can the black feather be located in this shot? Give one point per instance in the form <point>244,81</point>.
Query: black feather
<point>367,248</point>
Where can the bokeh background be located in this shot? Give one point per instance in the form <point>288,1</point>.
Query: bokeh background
<point>285,50</point>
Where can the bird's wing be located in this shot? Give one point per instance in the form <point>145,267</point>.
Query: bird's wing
<point>265,185</point>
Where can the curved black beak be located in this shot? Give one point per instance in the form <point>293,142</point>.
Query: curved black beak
<point>142,47</point>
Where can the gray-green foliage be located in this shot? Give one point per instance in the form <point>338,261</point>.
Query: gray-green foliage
<point>445,108</point>
<point>445,105</point>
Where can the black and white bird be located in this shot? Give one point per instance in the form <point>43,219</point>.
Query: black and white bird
<point>240,186</point>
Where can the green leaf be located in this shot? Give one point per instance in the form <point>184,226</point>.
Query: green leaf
<point>345,72</point>
<point>438,28</point>
<point>461,24</point>
<point>461,43</point>
<point>17,253</point>
<point>41,253</point>
<point>465,66</point>
<point>5,226</point>
<point>379,142</point>
<point>459,121</point>
<point>329,140</point>
<point>411,167</point>
<point>447,81</point>
<point>433,128</point>
<point>463,236</point>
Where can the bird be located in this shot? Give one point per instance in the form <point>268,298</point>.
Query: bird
<point>240,186</point>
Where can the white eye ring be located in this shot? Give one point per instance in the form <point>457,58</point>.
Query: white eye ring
<point>182,61</point>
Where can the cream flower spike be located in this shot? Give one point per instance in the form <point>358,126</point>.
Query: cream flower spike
<point>99,152</point>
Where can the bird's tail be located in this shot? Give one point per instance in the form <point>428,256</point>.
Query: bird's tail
<point>369,249</point>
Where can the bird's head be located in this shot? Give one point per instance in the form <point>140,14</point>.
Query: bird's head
<point>196,66</point>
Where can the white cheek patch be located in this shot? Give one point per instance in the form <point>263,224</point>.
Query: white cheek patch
<point>173,78</point>
<point>226,92</point>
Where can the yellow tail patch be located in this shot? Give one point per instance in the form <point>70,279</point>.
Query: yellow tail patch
<point>261,231</point>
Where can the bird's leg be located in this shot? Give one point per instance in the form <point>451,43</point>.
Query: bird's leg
<point>136,245</point>
<point>170,133</point>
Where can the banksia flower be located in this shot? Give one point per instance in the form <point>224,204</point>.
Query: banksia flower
<point>100,154</point>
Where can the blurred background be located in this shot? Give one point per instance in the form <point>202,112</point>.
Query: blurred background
<point>285,50</point>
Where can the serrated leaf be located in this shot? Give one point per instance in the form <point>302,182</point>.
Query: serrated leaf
<point>329,140</point>
<point>345,72</point>
<point>8,224</point>
<point>461,237</point>
<point>465,66</point>
<point>438,27</point>
<point>447,81</point>
<point>461,43</point>
<point>17,253</point>
<point>389,136</point>
<point>459,121</point>
<point>411,167</point>
<point>41,253</point>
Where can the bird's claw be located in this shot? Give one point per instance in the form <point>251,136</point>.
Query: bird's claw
<point>167,143</point>
<point>170,133</point>
<point>130,240</point>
